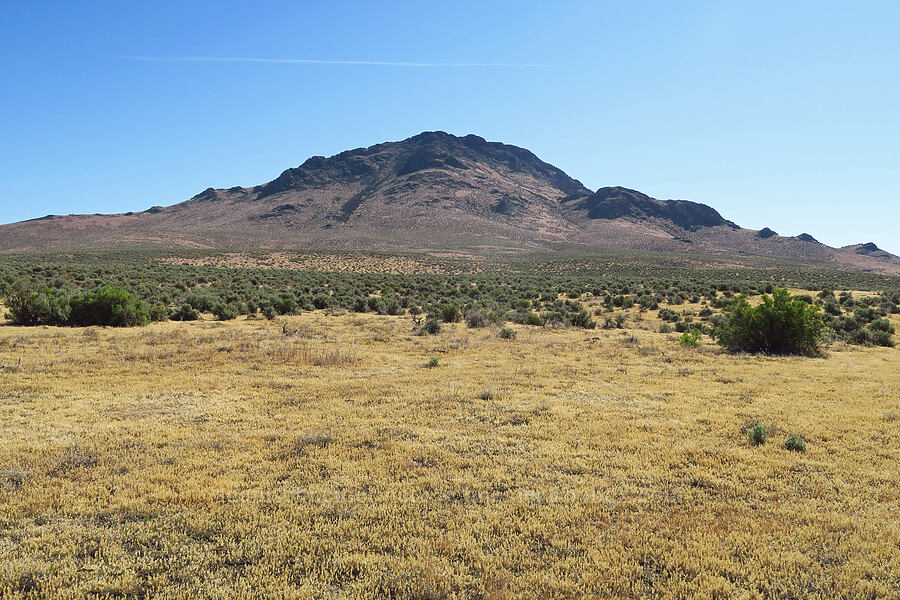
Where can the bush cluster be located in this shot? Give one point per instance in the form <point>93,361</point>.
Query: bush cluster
<point>781,324</point>
<point>105,306</point>
<point>549,293</point>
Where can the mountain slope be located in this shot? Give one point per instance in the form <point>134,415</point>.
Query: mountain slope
<point>433,191</point>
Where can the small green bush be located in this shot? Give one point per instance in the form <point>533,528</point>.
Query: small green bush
<point>780,325</point>
<point>431,327</point>
<point>450,313</point>
<point>667,314</point>
<point>226,312</point>
<point>665,328</point>
<point>392,307</point>
<point>321,301</point>
<point>286,304</point>
<point>795,443</point>
<point>158,312</point>
<point>108,306</point>
<point>28,306</point>
<point>533,319</point>
<point>879,337</point>
<point>432,362</point>
<point>507,334</point>
<point>582,319</point>
<point>477,319</point>
<point>833,308</point>
<point>758,434</point>
<point>689,339</point>
<point>185,312</point>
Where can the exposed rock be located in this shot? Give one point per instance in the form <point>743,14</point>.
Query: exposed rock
<point>620,202</point>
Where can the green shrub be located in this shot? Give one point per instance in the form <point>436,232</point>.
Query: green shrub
<point>158,312</point>
<point>108,306</point>
<point>533,319</point>
<point>226,312</point>
<point>321,301</point>
<point>689,339</point>
<point>507,334</point>
<point>879,333</point>
<point>881,325</point>
<point>477,319</point>
<point>431,327</point>
<point>833,308</point>
<point>432,362</point>
<point>582,319</point>
<point>359,305</point>
<point>286,304</point>
<point>665,328</point>
<point>28,306</point>
<point>648,302</point>
<point>780,325</point>
<point>450,313</point>
<point>201,300</point>
<point>667,314</point>
<point>391,307</point>
<point>795,443</point>
<point>758,434</point>
<point>185,312</point>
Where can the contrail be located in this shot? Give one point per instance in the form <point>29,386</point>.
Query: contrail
<point>316,61</point>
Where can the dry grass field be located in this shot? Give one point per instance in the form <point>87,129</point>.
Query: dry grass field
<point>320,457</point>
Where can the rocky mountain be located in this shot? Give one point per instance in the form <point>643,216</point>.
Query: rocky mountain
<point>433,191</point>
<point>618,202</point>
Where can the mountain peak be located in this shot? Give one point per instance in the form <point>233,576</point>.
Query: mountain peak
<point>432,191</point>
<point>426,151</point>
<point>805,237</point>
<point>618,202</point>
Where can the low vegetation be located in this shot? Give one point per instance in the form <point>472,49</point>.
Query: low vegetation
<point>316,457</point>
<point>585,293</point>
<point>780,324</point>
<point>105,306</point>
<point>473,433</point>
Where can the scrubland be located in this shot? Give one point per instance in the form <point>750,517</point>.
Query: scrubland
<point>329,457</point>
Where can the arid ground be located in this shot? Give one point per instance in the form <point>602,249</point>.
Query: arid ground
<point>322,457</point>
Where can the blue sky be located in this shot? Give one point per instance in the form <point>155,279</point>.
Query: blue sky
<point>779,114</point>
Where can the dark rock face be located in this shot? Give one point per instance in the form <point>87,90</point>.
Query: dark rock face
<point>279,211</point>
<point>207,194</point>
<point>619,202</point>
<point>428,158</point>
<point>765,233</point>
<point>423,152</point>
<point>805,237</point>
<point>868,248</point>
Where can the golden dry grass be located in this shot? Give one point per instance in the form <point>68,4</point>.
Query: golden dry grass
<point>247,460</point>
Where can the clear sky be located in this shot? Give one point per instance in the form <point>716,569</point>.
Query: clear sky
<point>779,114</point>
